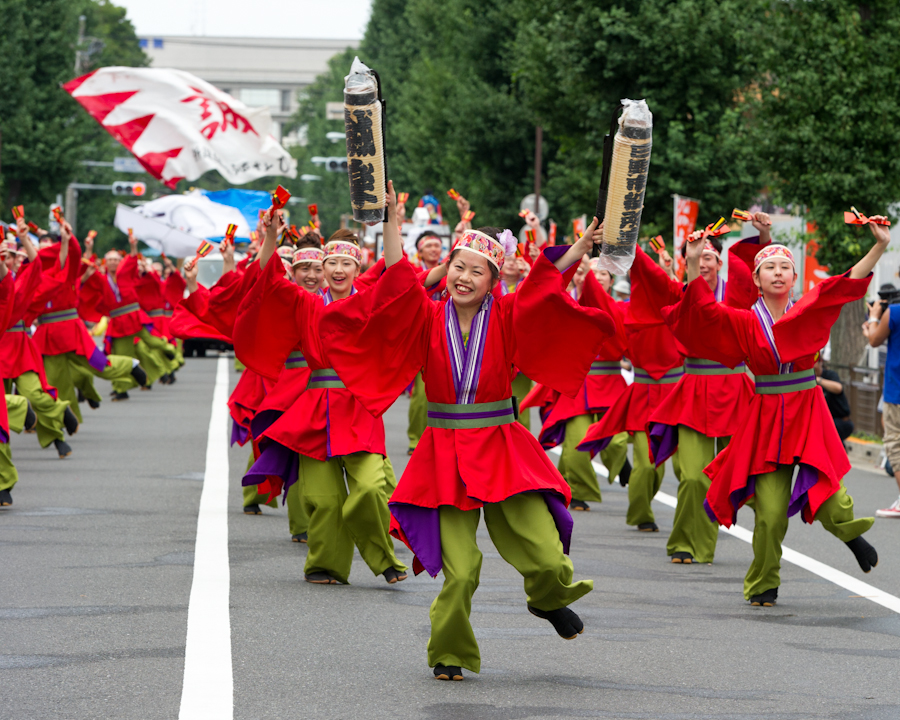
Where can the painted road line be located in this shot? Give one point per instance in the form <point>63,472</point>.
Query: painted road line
<point>208,690</point>
<point>841,579</point>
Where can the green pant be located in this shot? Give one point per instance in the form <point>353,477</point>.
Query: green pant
<point>525,535</point>
<point>770,503</point>
<point>251,494</point>
<point>50,412</point>
<point>338,519</point>
<point>645,482</point>
<point>418,412</point>
<point>150,352</point>
<point>692,530</point>
<point>521,386</point>
<point>16,411</point>
<point>8,474</point>
<point>69,371</point>
<point>390,479</point>
<point>575,465</point>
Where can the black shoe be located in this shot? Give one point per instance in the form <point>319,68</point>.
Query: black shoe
<point>30,420</point>
<point>447,672</point>
<point>163,379</point>
<point>252,510</point>
<point>865,553</point>
<point>392,575</point>
<point>625,473</point>
<point>765,599</point>
<point>137,372</point>
<point>81,397</point>
<point>648,527</point>
<point>566,623</point>
<point>70,421</point>
<point>320,578</point>
<point>685,558</point>
<point>579,505</point>
<point>5,498</point>
<point>301,538</point>
<point>94,404</point>
<point>171,378</point>
<point>62,447</point>
<point>119,396</point>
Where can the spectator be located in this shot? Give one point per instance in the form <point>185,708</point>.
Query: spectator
<point>879,327</point>
<point>838,405</point>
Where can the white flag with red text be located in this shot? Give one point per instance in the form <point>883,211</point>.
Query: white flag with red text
<point>179,126</point>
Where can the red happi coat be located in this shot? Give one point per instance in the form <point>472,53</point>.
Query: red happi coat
<point>784,429</point>
<point>651,348</point>
<point>379,339</point>
<point>156,297</point>
<point>275,318</point>
<point>598,392</point>
<point>58,293</point>
<point>7,308</point>
<point>18,353</point>
<point>98,298</point>
<point>713,405</point>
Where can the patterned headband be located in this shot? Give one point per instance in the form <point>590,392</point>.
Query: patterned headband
<point>7,247</point>
<point>308,254</point>
<point>773,251</point>
<point>710,248</point>
<point>427,240</point>
<point>481,244</point>
<point>341,248</point>
<point>285,252</point>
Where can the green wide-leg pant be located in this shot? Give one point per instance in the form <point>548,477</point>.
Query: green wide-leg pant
<point>338,518</point>
<point>770,503</point>
<point>645,481</point>
<point>692,530</point>
<point>69,371</point>
<point>418,412</point>
<point>9,476</point>
<point>575,465</point>
<point>50,412</point>
<point>16,412</point>
<point>148,350</point>
<point>521,386</point>
<point>525,535</point>
<point>250,492</point>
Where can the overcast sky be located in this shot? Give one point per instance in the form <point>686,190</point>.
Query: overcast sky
<point>343,19</point>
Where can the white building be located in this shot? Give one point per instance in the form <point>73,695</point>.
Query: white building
<point>258,71</point>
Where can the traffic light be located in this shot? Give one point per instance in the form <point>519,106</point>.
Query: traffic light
<point>134,189</point>
<point>331,164</point>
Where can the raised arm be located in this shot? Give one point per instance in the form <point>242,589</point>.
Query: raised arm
<point>274,224</point>
<point>393,242</point>
<point>592,236</point>
<point>22,232</point>
<point>882,240</point>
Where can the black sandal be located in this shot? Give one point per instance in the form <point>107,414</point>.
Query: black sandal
<point>579,505</point>
<point>70,421</point>
<point>447,672</point>
<point>301,538</point>
<point>648,527</point>
<point>252,510</point>
<point>5,498</point>
<point>566,623</point>
<point>320,578</point>
<point>765,599</point>
<point>684,558</point>
<point>625,473</point>
<point>30,420</point>
<point>63,448</point>
<point>392,575</point>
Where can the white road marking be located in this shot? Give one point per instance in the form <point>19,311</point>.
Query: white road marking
<point>841,579</point>
<point>208,690</point>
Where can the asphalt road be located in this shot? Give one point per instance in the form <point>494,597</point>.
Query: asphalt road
<point>97,570</point>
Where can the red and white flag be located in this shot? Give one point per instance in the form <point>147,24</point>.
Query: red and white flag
<point>179,126</point>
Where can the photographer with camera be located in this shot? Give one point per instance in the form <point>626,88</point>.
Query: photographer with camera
<point>884,324</point>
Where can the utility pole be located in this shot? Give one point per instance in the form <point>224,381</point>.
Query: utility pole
<point>71,206</point>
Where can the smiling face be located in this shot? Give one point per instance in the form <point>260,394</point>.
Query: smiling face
<point>775,277</point>
<point>340,272</point>
<point>604,278</point>
<point>308,275</point>
<point>430,251</point>
<point>710,264</point>
<point>469,278</point>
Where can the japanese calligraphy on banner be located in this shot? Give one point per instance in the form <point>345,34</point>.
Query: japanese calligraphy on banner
<point>179,126</point>
<point>686,210</point>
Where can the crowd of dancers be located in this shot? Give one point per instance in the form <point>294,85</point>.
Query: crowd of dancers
<point>477,336</point>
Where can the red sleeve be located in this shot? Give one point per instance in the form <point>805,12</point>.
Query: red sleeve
<point>149,290</point>
<point>270,320</point>
<point>651,290</point>
<point>593,295</point>
<point>700,321</point>
<point>96,298</point>
<point>377,338</point>
<point>370,276</point>
<point>173,289</point>
<point>556,339</point>
<point>7,295</point>
<point>225,298</point>
<point>26,285</point>
<point>127,273</point>
<point>186,324</point>
<point>741,291</point>
<point>805,328</point>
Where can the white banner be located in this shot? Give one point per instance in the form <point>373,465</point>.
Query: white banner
<point>179,126</point>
